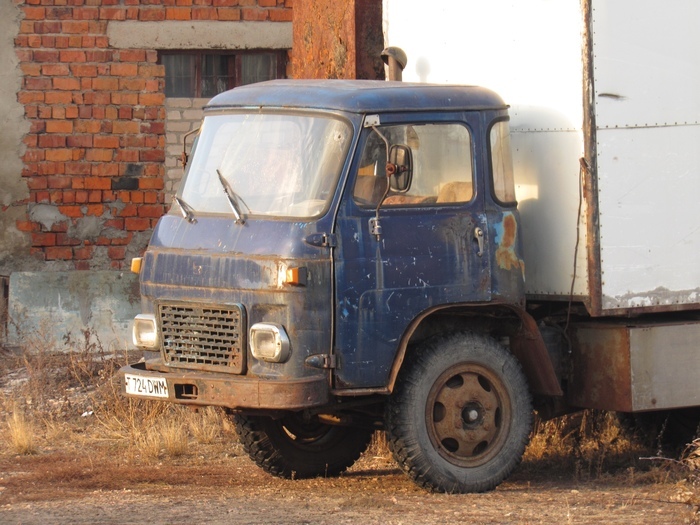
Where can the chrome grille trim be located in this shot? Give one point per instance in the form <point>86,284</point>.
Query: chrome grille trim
<point>203,337</point>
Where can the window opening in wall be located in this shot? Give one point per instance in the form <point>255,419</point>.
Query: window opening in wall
<point>204,74</point>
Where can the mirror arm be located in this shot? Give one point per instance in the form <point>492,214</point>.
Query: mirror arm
<point>185,157</point>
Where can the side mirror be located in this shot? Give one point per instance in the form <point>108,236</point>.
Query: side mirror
<point>399,169</point>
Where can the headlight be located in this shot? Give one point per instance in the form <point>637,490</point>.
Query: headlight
<point>144,332</point>
<point>269,342</point>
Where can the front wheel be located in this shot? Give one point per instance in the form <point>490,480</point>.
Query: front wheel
<point>295,447</point>
<point>461,414</point>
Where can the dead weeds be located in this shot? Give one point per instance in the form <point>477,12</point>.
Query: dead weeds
<point>70,432</point>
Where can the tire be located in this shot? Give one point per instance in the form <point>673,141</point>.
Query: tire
<point>296,449</point>
<point>460,416</point>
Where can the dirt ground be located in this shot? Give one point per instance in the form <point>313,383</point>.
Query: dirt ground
<point>60,486</point>
<point>99,459</point>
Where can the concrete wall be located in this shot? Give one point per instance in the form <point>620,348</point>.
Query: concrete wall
<point>14,126</point>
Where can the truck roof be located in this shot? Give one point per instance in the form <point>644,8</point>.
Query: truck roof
<point>358,96</point>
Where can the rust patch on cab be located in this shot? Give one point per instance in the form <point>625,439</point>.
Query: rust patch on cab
<point>506,258</point>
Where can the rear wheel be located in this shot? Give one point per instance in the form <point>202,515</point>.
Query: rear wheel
<point>296,447</point>
<point>460,416</point>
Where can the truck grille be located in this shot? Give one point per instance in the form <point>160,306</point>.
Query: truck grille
<point>202,337</point>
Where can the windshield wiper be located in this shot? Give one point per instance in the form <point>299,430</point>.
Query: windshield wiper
<point>232,197</point>
<point>186,209</point>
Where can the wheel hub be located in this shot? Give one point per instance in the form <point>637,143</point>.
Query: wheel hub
<point>468,414</point>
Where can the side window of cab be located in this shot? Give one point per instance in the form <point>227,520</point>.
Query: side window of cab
<point>441,159</point>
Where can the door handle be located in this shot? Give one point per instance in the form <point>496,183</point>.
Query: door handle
<point>479,236</point>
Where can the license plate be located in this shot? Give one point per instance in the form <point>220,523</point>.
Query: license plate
<point>146,386</point>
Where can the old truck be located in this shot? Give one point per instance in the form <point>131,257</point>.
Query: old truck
<point>347,256</point>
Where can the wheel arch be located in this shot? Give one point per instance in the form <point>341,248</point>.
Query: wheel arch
<point>498,321</point>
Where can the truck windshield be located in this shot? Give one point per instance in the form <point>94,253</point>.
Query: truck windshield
<point>278,164</point>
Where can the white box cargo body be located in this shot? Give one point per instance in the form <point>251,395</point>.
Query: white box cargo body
<point>614,82</point>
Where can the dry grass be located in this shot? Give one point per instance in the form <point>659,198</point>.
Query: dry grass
<point>21,434</point>
<point>71,401</point>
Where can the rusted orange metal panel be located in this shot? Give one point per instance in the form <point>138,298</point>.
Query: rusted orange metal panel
<point>338,39</point>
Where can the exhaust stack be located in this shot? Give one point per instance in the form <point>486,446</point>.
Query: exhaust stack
<point>396,59</point>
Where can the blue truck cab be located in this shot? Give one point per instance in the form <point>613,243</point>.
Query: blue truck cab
<point>342,257</point>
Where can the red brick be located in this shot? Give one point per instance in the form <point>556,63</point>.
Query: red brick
<point>72,112</point>
<point>137,197</point>
<point>42,196</point>
<point>125,112</point>
<point>58,97</point>
<point>124,70</point>
<point>59,12</point>
<point>134,55</point>
<point>27,226</point>
<point>152,15</point>
<point>86,126</point>
<point>34,155</point>
<point>79,141</point>
<point>85,13</point>
<point>116,252</point>
<point>151,99</point>
<point>151,70</point>
<point>73,26</point>
<point>63,239</point>
<point>43,239</point>
<point>125,127</point>
<point>134,224</point>
<point>59,182</point>
<point>281,15</point>
<point>54,70</point>
<point>127,98</point>
<point>73,56</point>
<point>102,141</point>
<point>26,27</point>
<point>52,141</point>
<point>31,70</point>
<point>228,14</point>
<point>105,170</point>
<point>83,253</point>
<point>99,155</point>
<point>63,253</point>
<point>94,196</point>
<point>66,84</point>
<point>74,212</point>
<point>37,83</point>
<point>95,209</point>
<point>68,197</point>
<point>252,14</point>
<point>132,84</point>
<point>203,13</point>
<point>97,183</point>
<point>59,126</point>
<point>152,155</point>
<point>99,55</point>
<point>127,155</point>
<point>46,26</point>
<point>105,84</point>
<point>112,13</point>
<point>151,211</point>
<point>83,70</point>
<point>130,210</point>
<point>34,13</point>
<point>59,154</point>
<point>150,198</point>
<point>27,97</point>
<point>81,196</point>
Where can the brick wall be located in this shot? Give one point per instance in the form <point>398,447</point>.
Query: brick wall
<point>94,158</point>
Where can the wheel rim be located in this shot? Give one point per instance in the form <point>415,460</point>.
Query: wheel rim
<point>468,414</point>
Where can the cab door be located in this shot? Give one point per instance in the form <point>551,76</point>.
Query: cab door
<point>429,247</point>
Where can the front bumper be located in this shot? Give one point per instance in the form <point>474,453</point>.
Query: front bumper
<point>237,392</point>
